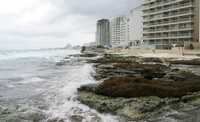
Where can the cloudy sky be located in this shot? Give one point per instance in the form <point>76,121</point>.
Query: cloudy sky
<point>32,24</point>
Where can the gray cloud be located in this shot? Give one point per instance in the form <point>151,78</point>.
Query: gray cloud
<point>48,23</point>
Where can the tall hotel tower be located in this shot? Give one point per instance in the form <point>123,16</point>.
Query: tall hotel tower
<point>103,32</point>
<point>167,22</point>
<point>119,31</point>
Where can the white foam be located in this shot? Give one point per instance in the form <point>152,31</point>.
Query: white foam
<point>56,54</point>
<point>65,104</point>
<point>31,80</point>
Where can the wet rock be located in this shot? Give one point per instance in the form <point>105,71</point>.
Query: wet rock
<point>79,115</point>
<point>186,62</point>
<point>88,87</point>
<point>83,48</point>
<point>152,60</point>
<point>132,77</point>
<point>4,111</point>
<point>129,108</point>
<point>150,109</point>
<point>34,116</point>
<point>137,87</point>
<point>179,75</point>
<point>116,65</point>
<point>111,58</point>
<point>107,71</point>
<point>149,71</point>
<point>100,103</point>
<point>13,119</point>
<point>56,120</point>
<point>95,119</point>
<point>76,118</point>
<point>89,55</point>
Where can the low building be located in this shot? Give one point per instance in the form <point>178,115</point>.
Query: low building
<point>103,33</point>
<point>119,31</point>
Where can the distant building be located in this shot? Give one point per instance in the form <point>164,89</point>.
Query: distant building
<point>90,44</point>
<point>198,6</point>
<point>169,22</point>
<point>103,32</point>
<point>119,31</point>
<point>135,26</point>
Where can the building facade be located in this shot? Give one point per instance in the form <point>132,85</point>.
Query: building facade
<point>103,33</point>
<point>119,31</point>
<point>135,24</point>
<point>167,22</point>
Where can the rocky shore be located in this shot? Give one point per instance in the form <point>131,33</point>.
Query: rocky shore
<point>144,88</point>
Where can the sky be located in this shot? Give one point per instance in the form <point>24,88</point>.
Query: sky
<point>33,24</point>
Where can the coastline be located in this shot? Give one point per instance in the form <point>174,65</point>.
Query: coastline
<point>143,101</point>
<point>173,53</point>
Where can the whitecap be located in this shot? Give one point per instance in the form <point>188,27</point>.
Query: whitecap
<point>31,80</point>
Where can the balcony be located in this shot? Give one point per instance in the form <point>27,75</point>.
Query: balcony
<point>171,22</point>
<point>171,8</point>
<point>172,15</point>
<point>170,36</point>
<point>176,37</point>
<point>159,4</point>
<point>168,30</point>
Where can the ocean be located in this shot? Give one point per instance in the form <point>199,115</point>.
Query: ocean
<point>41,86</point>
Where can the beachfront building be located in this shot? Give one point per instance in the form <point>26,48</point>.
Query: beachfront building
<point>167,22</point>
<point>103,33</point>
<point>198,6</point>
<point>119,31</point>
<point>135,26</point>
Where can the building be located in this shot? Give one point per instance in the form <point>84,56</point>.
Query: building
<point>119,31</point>
<point>90,44</point>
<point>135,26</point>
<point>167,22</point>
<point>103,33</point>
<point>198,6</point>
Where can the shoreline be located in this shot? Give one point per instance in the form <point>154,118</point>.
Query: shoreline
<point>174,53</point>
<point>140,105</point>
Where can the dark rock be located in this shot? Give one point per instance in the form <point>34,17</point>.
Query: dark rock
<point>83,48</point>
<point>152,60</point>
<point>149,71</point>
<point>88,87</point>
<point>76,118</point>
<point>111,58</point>
<point>55,120</point>
<point>128,108</point>
<point>179,75</point>
<point>61,63</point>
<point>137,87</point>
<point>89,55</point>
<point>186,62</point>
<point>116,65</point>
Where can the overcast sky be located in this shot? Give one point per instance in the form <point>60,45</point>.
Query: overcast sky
<point>54,23</point>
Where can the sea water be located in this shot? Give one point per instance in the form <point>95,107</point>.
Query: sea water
<point>34,88</point>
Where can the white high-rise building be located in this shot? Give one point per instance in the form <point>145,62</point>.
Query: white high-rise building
<point>103,33</point>
<point>119,31</point>
<point>135,26</point>
<point>169,22</point>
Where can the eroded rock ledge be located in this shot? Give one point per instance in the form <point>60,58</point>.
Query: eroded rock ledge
<point>151,109</point>
<point>138,88</point>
